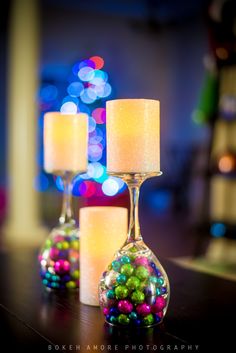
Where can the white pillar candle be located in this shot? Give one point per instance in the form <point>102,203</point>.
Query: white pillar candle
<point>133,136</point>
<point>103,230</point>
<point>65,142</point>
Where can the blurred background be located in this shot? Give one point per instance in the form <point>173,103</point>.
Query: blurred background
<point>74,55</point>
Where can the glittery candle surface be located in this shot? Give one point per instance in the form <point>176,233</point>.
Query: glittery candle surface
<point>133,136</point>
<point>103,230</point>
<point>65,142</point>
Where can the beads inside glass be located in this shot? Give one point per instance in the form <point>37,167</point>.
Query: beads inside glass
<point>59,258</point>
<point>134,291</point>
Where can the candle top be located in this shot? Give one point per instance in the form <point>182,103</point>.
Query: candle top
<point>58,115</point>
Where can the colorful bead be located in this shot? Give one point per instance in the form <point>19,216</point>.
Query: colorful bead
<point>62,266</point>
<point>116,265</point>
<point>105,311</point>
<point>133,315</point>
<point>123,319</point>
<point>141,261</point>
<point>114,311</point>
<point>153,279</point>
<point>125,260</point>
<point>159,305</point>
<point>133,283</point>
<point>160,281</point>
<point>121,279</point>
<point>137,297</point>
<point>75,274</point>
<point>110,294</point>
<point>110,279</point>
<point>158,291</point>
<point>71,285</point>
<point>143,309</point>
<point>148,320</point>
<point>54,253</point>
<point>113,319</point>
<point>75,244</point>
<point>141,272</point>
<point>127,269</point>
<point>125,306</point>
<point>121,292</point>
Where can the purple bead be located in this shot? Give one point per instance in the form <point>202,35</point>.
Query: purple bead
<point>125,306</point>
<point>157,318</point>
<point>143,309</point>
<point>114,311</point>
<point>163,290</point>
<point>137,322</point>
<point>66,278</point>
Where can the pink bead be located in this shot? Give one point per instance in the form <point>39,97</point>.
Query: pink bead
<point>62,266</point>
<point>54,253</point>
<point>141,261</point>
<point>160,314</point>
<point>125,306</point>
<point>159,305</point>
<point>143,309</point>
<point>58,238</point>
<point>105,311</point>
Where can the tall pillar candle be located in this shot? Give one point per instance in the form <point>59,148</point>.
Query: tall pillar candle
<point>103,230</point>
<point>133,136</point>
<point>65,142</point>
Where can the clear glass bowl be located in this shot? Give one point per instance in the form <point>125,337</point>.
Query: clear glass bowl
<point>134,290</point>
<point>59,258</point>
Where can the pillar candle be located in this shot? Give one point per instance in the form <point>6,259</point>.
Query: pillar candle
<point>103,231</point>
<point>133,136</point>
<point>65,142</point>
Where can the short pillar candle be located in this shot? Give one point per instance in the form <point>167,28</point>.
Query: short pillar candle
<point>133,136</point>
<point>65,142</point>
<point>103,230</point>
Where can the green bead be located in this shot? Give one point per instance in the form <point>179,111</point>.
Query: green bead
<point>48,243</point>
<point>160,281</point>
<point>116,265</point>
<point>133,315</point>
<point>158,291</point>
<point>75,244</point>
<point>133,249</point>
<point>138,297</point>
<point>148,320</point>
<point>121,279</point>
<point>113,319</point>
<point>121,292</point>
<point>45,281</point>
<point>65,245</point>
<point>127,269</point>
<point>125,260</point>
<point>123,319</point>
<point>55,278</point>
<point>109,267</point>
<point>133,283</point>
<point>141,272</point>
<point>153,279</point>
<point>132,257</point>
<point>75,274</point>
<point>71,285</point>
<point>110,294</point>
<point>59,245</point>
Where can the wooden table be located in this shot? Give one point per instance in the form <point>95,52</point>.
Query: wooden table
<point>200,315</point>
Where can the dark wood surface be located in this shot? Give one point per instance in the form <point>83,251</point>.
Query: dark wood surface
<point>202,312</point>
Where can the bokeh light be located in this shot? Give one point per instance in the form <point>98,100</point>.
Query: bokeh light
<point>75,89</point>
<point>98,62</point>
<point>41,182</point>
<point>86,73</point>
<point>227,163</point>
<point>218,230</point>
<point>87,188</point>
<point>110,187</point>
<point>59,183</point>
<point>99,114</point>
<point>69,108</point>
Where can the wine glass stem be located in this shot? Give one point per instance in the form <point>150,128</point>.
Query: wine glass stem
<point>134,228</point>
<point>66,212</point>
